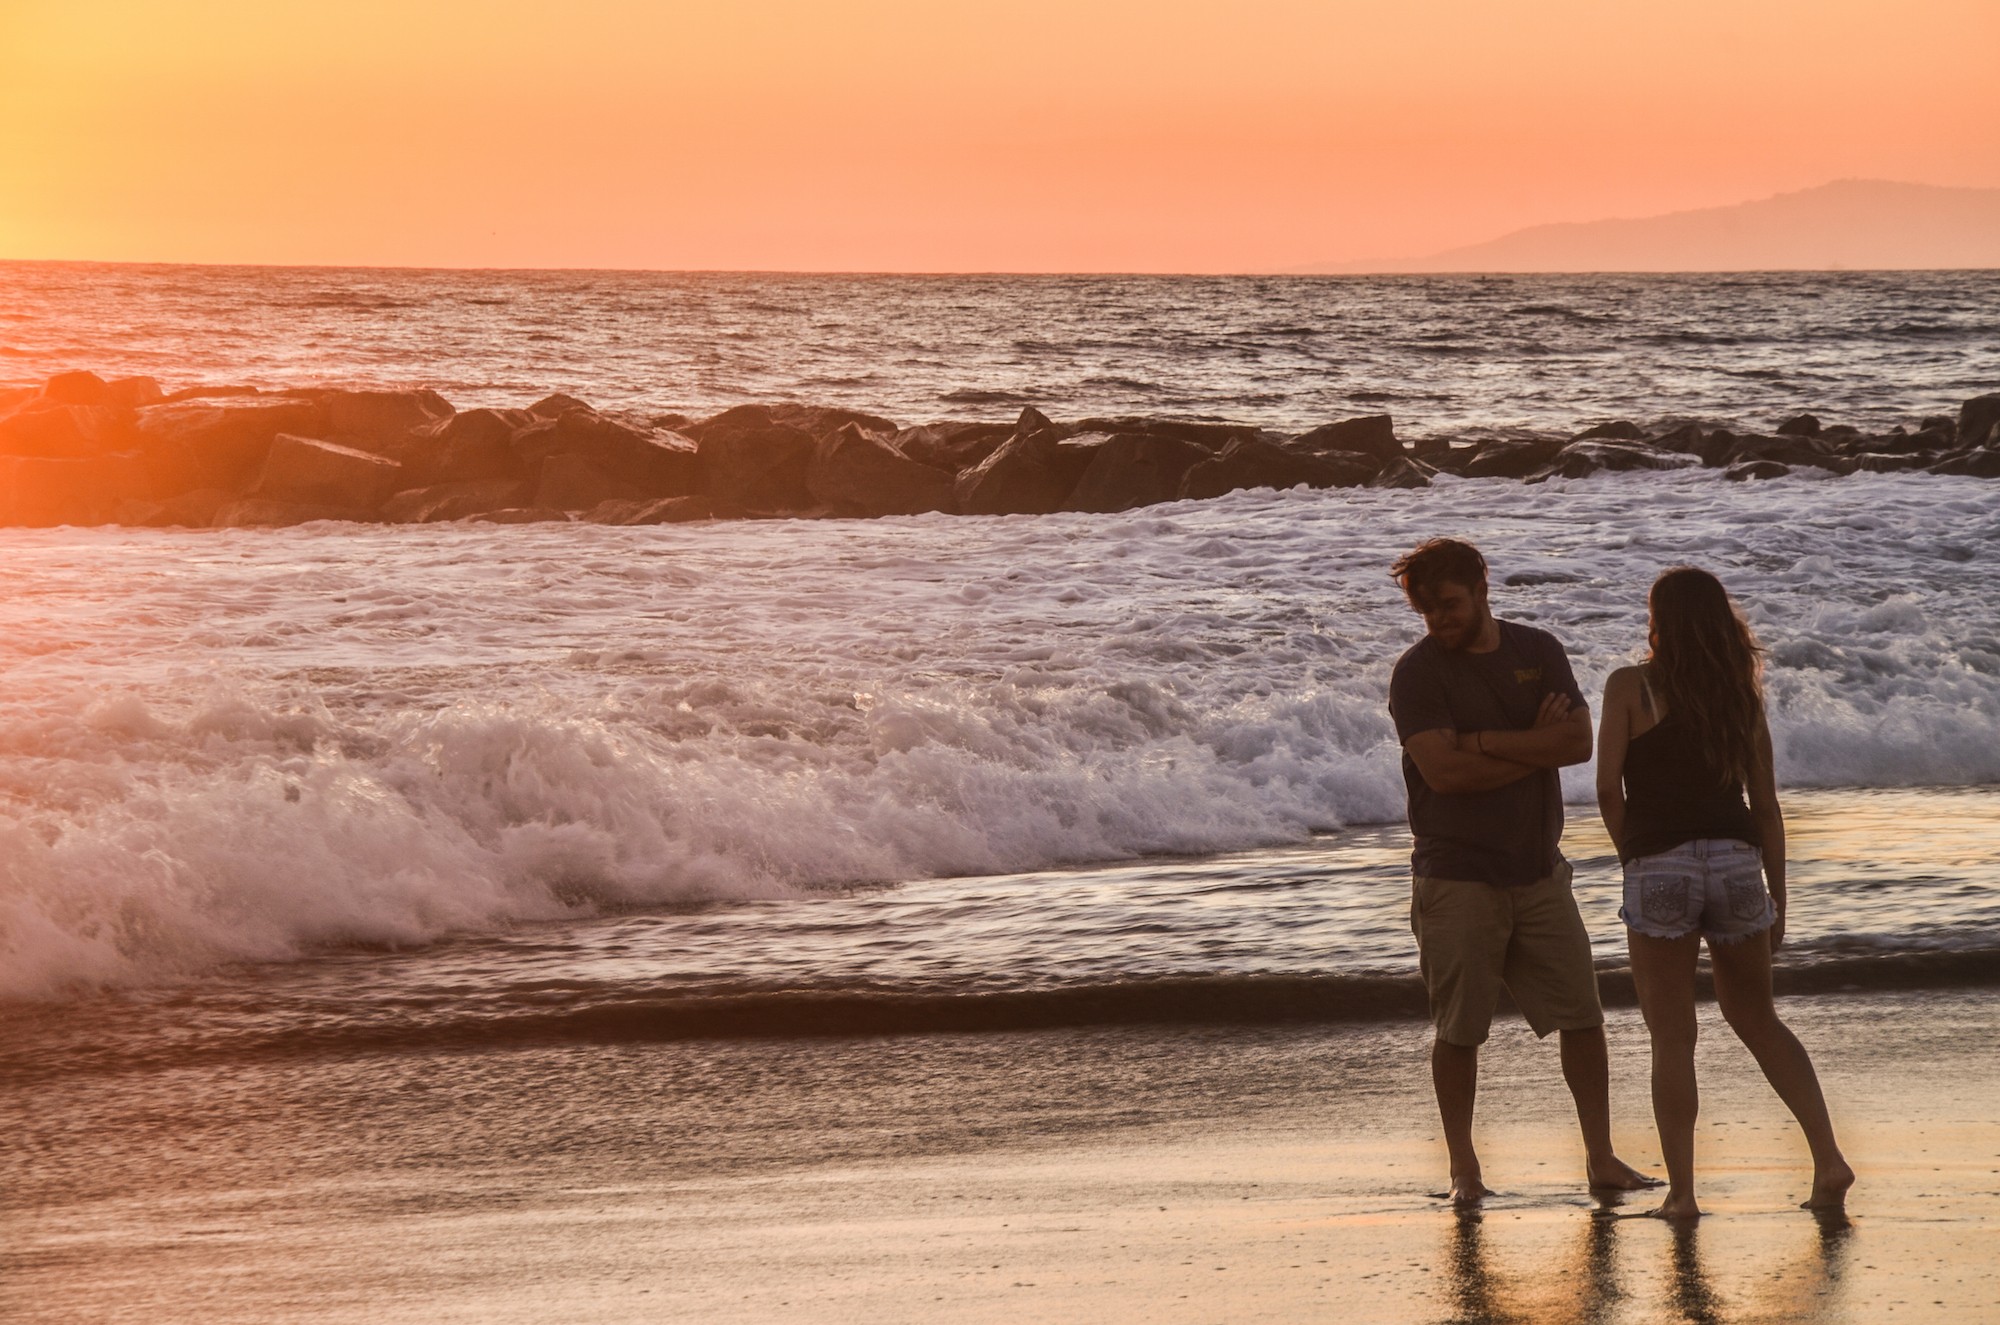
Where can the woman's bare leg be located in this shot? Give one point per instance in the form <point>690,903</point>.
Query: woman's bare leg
<point>1743,989</point>
<point>1663,973</point>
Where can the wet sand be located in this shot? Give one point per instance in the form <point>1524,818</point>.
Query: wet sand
<point>1132,1175</point>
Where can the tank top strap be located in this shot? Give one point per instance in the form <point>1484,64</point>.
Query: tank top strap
<point>1646,695</point>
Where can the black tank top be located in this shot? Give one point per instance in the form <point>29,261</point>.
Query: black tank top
<point>1674,795</point>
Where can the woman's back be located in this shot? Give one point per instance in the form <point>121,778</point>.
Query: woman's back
<point>1674,791</point>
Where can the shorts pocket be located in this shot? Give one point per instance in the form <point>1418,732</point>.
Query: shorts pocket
<point>1746,896</point>
<point>1663,898</point>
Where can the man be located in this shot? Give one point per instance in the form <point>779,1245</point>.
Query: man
<point>1487,711</point>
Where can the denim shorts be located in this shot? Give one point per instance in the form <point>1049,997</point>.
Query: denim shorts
<point>1715,885</point>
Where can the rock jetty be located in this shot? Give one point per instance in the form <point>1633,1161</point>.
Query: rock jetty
<point>80,450</point>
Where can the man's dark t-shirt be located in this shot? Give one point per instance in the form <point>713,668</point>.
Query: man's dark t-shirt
<point>1506,836</point>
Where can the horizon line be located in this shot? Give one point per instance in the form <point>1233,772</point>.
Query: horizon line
<point>875,274</point>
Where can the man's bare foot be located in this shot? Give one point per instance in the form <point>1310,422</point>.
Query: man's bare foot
<point>1829,1188</point>
<point>1677,1208</point>
<point>1614,1174</point>
<point>1467,1189</point>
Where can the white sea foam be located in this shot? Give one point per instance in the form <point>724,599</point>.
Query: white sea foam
<point>246,745</point>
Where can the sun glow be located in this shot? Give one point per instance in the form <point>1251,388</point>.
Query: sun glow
<point>892,134</point>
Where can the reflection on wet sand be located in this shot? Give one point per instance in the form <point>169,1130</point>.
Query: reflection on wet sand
<point>1587,1288</point>
<point>1693,1296</point>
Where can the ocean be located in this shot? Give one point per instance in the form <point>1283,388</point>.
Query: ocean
<point>335,790</point>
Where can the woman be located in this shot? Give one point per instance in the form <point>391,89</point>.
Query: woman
<point>1683,735</point>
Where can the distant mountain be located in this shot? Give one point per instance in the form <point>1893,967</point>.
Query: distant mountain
<point>1850,224</point>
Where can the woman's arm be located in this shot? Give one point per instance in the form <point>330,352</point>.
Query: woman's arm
<point>1770,824</point>
<point>1613,734</point>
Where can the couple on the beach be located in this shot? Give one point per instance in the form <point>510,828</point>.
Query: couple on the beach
<point>1487,711</point>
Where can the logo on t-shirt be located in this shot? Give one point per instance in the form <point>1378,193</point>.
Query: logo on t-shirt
<point>1523,675</point>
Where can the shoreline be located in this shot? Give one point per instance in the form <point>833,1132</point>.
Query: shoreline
<point>1351,965</point>
<point>1115,1175</point>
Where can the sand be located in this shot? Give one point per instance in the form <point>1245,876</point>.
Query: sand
<point>1132,1176</point>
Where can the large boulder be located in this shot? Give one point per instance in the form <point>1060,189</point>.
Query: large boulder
<point>189,510</point>
<point>1874,462</point>
<point>667,510</point>
<point>44,491</point>
<point>524,515</point>
<point>556,405</point>
<point>1132,470</point>
<point>822,421</point>
<point>1348,469</point>
<point>77,388</point>
<point>265,512</point>
<point>1613,430</point>
<point>453,501</point>
<point>1251,462</point>
<point>1511,457</point>
<point>1073,455</point>
<point>637,462</point>
<point>1799,425</point>
<point>952,446</point>
<point>1979,421</point>
<point>1581,459</point>
<point>1372,434</point>
<point>1712,448</point>
<point>90,390</point>
<point>306,471</point>
<point>1756,469</point>
<point>815,421</point>
<point>618,510</point>
<point>736,416</point>
<point>1021,477</point>
<point>1942,435</point>
<point>1403,472</point>
<point>57,430</point>
<point>1210,436</point>
<point>1979,462</point>
<point>1451,458</point>
<point>572,483</point>
<point>1931,443</point>
<point>207,392</point>
<point>856,472</point>
<point>218,442</point>
<point>756,466</point>
<point>383,421</point>
<point>473,446</point>
<point>1789,449</point>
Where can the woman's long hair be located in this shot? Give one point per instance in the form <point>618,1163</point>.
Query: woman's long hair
<point>1707,667</point>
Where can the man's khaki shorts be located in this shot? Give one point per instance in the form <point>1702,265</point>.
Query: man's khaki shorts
<point>1473,939</point>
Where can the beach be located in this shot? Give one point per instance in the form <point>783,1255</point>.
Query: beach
<point>954,917</point>
<point>1133,1174</point>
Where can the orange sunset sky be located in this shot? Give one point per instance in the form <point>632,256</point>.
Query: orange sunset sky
<point>902,135</point>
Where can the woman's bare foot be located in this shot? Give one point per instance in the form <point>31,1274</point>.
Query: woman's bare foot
<point>1614,1174</point>
<point>1677,1207</point>
<point>1830,1186</point>
<point>1467,1189</point>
